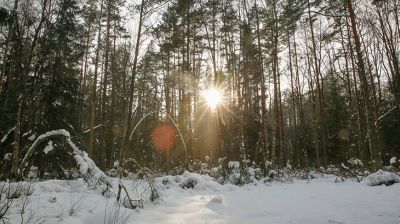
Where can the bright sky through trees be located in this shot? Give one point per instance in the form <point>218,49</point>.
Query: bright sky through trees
<point>213,97</point>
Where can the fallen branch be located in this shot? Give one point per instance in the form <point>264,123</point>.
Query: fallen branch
<point>94,128</point>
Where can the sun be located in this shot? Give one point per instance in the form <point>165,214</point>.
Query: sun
<point>213,97</point>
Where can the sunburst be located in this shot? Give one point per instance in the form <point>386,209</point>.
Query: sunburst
<point>213,97</point>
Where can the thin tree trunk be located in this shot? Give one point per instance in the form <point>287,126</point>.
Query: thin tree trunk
<point>17,137</point>
<point>321,115</point>
<point>105,83</point>
<point>94,88</point>
<point>125,142</point>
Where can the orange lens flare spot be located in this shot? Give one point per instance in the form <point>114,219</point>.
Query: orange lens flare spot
<point>163,137</point>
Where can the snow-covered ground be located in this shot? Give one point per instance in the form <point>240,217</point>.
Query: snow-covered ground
<point>315,201</point>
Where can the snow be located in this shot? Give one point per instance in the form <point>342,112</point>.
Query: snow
<point>355,162</point>
<point>272,174</point>
<point>393,160</point>
<point>217,199</point>
<point>32,137</point>
<point>382,177</point>
<point>388,112</point>
<point>83,166</point>
<point>26,133</point>
<point>319,200</point>
<point>95,127</point>
<point>13,189</point>
<point>8,156</point>
<point>192,181</point>
<point>6,135</point>
<point>234,164</point>
<point>49,147</point>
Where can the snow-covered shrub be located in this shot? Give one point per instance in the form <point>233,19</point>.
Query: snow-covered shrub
<point>234,165</point>
<point>332,169</point>
<point>70,152</point>
<point>272,173</point>
<point>382,177</point>
<point>113,172</point>
<point>143,182</point>
<point>177,170</point>
<point>300,174</point>
<point>33,172</point>
<point>189,183</point>
<point>117,214</point>
<point>352,168</point>
<point>198,166</point>
<point>239,174</point>
<point>233,173</point>
<point>219,172</point>
<point>216,172</point>
<point>252,174</point>
<point>169,181</point>
<point>394,165</point>
<point>191,180</point>
<point>355,163</point>
<point>188,180</point>
<point>15,189</point>
<point>280,175</point>
<point>49,157</point>
<point>54,155</point>
<point>194,165</point>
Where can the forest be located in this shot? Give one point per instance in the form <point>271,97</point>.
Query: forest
<point>171,86</point>
<point>306,83</point>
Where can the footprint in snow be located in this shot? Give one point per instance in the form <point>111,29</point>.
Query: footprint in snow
<point>216,205</point>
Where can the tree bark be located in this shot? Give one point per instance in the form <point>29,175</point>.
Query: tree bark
<point>372,132</point>
<point>94,88</point>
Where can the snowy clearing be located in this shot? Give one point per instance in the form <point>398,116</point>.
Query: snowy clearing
<point>315,201</point>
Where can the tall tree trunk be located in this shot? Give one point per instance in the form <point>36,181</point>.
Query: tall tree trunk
<point>94,88</point>
<point>293,98</point>
<point>277,148</point>
<point>321,129</point>
<point>125,142</point>
<point>111,155</point>
<point>372,131</point>
<point>105,83</point>
<point>84,74</point>
<point>264,131</point>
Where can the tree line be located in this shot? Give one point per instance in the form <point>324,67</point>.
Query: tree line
<point>306,83</point>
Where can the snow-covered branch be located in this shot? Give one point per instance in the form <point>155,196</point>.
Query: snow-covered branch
<point>86,165</point>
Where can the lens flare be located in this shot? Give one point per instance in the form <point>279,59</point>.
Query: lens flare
<point>213,97</point>
<point>163,137</point>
